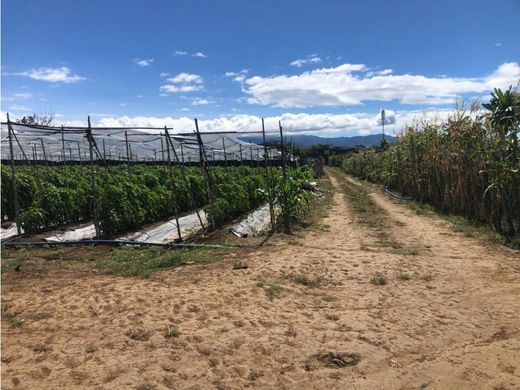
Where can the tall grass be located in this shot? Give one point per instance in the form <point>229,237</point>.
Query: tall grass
<point>469,165</point>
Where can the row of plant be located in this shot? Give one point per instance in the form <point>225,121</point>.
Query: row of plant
<point>469,165</point>
<point>127,200</point>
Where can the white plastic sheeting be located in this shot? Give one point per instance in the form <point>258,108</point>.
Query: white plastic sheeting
<point>162,234</point>
<point>257,222</point>
<point>11,231</point>
<point>84,233</point>
<point>167,232</point>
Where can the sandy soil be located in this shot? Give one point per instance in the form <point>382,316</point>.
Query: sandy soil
<point>448,318</point>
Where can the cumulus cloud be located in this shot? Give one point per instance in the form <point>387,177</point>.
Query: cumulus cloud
<point>163,74</point>
<point>353,84</point>
<point>389,117</point>
<point>143,62</point>
<point>199,55</point>
<point>312,59</point>
<point>183,82</point>
<point>352,124</point>
<point>180,53</point>
<point>52,75</point>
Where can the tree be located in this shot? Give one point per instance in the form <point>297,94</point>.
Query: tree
<point>43,119</point>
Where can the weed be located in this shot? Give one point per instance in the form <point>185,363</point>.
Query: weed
<point>306,281</point>
<point>332,317</point>
<point>138,334</point>
<point>379,280</point>
<point>273,291</point>
<point>239,265</point>
<point>142,262</point>
<point>171,332</point>
<point>403,276</point>
<point>329,298</point>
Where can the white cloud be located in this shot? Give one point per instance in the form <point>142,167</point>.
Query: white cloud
<point>185,109</point>
<point>186,78</point>
<point>143,62</point>
<point>139,96</point>
<point>351,124</point>
<point>312,59</point>
<point>202,102</point>
<point>498,44</point>
<point>351,84</point>
<point>52,75</point>
<point>171,88</point>
<point>238,76</point>
<point>17,96</point>
<point>183,82</point>
<point>163,74</point>
<point>180,53</point>
<point>199,55</point>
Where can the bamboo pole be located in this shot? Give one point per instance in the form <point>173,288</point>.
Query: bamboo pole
<point>184,178</point>
<point>286,216</point>
<point>205,171</point>
<point>13,179</point>
<point>93,180</point>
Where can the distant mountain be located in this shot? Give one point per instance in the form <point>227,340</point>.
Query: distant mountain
<point>308,140</point>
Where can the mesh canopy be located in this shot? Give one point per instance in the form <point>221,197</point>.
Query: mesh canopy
<point>58,144</point>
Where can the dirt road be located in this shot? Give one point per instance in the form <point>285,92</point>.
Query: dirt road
<point>330,308</point>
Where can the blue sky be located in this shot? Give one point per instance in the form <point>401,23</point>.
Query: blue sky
<point>327,66</point>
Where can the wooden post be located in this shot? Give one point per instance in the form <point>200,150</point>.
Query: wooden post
<point>172,190</point>
<point>93,180</point>
<point>184,178</point>
<point>79,153</point>
<point>44,152</point>
<point>240,146</point>
<point>127,151</point>
<point>224,147</point>
<point>286,216</point>
<point>268,179</point>
<point>205,172</point>
<point>62,144</point>
<point>182,154</point>
<point>13,179</point>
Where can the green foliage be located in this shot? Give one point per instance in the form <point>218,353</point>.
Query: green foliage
<point>468,166</point>
<point>147,194</point>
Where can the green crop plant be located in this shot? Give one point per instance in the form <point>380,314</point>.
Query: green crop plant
<point>468,166</point>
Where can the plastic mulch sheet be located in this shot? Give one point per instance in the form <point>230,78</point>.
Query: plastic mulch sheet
<point>84,233</point>
<point>167,232</point>
<point>257,222</point>
<point>9,232</point>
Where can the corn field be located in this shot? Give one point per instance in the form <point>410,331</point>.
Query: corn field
<point>469,166</point>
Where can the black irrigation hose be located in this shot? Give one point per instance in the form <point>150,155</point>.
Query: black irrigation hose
<point>110,242</point>
<point>397,196</point>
